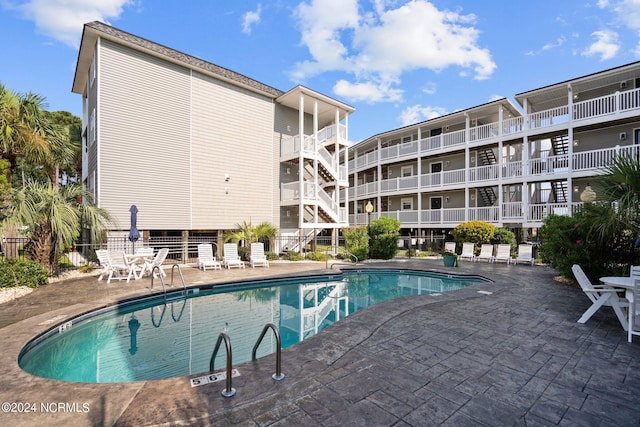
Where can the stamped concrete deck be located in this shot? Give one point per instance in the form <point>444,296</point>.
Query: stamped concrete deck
<point>495,354</point>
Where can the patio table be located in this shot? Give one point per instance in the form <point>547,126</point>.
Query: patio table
<point>138,261</point>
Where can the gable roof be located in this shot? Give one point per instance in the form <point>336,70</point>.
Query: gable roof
<point>94,30</point>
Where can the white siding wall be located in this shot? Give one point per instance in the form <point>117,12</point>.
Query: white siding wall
<point>144,146</point>
<point>232,134</point>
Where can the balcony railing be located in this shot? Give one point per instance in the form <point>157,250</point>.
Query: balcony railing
<point>513,127</point>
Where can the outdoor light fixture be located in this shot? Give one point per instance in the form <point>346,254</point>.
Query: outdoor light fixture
<point>227,177</point>
<point>369,208</point>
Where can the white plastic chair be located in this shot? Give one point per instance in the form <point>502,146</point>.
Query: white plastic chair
<point>103,259</point>
<point>206,258</point>
<point>503,253</point>
<point>633,295</point>
<point>467,251</point>
<point>600,296</point>
<point>257,255</point>
<point>118,267</point>
<point>450,247</point>
<point>486,252</point>
<point>525,254</point>
<point>231,258</point>
<point>157,261</point>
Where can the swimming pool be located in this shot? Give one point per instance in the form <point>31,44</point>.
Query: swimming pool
<point>154,337</point>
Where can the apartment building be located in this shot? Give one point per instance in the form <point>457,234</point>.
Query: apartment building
<point>199,148</point>
<point>510,165</point>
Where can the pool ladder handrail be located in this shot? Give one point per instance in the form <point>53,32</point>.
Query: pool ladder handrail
<point>164,288</point>
<point>278,376</point>
<point>228,391</point>
<point>346,252</point>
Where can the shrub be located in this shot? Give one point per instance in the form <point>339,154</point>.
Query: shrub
<point>19,272</point>
<point>271,256</point>
<point>356,241</point>
<point>87,268</point>
<point>477,232</point>
<point>292,256</point>
<point>504,236</point>
<point>384,237</point>
<point>316,256</point>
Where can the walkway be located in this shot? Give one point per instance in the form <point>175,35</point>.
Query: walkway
<point>494,354</point>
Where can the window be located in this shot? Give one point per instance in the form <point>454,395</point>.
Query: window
<point>92,127</point>
<point>407,203</point>
<point>406,171</point>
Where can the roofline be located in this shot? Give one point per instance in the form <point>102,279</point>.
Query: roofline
<point>329,100</point>
<point>466,110</point>
<point>566,82</point>
<point>94,30</point>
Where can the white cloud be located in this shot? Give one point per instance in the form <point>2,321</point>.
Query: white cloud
<point>64,19</point>
<point>606,45</point>
<point>418,113</point>
<point>251,18</point>
<point>378,46</point>
<point>628,11</point>
<point>367,91</point>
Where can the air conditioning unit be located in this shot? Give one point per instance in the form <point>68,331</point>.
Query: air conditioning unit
<point>622,136</point>
<point>623,85</point>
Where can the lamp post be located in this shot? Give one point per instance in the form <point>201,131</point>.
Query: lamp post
<point>369,208</point>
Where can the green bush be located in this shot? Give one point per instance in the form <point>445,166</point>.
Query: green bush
<point>384,237</point>
<point>271,256</point>
<point>357,241</point>
<point>316,256</point>
<point>19,272</point>
<point>504,236</point>
<point>292,256</point>
<point>476,232</point>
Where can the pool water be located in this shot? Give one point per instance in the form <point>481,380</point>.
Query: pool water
<point>156,338</point>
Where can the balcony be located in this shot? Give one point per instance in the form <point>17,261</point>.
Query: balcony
<point>604,108</point>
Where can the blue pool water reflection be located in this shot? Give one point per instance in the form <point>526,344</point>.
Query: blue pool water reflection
<point>154,338</point>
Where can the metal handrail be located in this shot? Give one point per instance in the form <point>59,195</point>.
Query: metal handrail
<point>228,391</point>
<point>164,288</point>
<point>346,252</point>
<point>278,376</point>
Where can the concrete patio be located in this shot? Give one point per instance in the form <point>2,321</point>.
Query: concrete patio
<point>509,352</point>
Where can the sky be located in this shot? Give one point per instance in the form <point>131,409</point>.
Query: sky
<point>397,62</point>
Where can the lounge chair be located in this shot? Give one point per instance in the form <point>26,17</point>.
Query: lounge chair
<point>206,258</point>
<point>486,252</point>
<point>157,261</point>
<point>103,259</point>
<point>599,295</point>
<point>257,255</point>
<point>525,254</point>
<point>468,251</point>
<point>450,247</point>
<point>503,253</point>
<point>231,258</point>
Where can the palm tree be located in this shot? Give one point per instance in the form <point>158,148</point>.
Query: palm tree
<point>247,234</point>
<point>54,218</point>
<point>25,131</point>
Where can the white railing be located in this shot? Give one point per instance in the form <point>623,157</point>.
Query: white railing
<point>398,151</point>
<point>538,212</point>
<point>549,165</point>
<point>629,100</point>
<point>482,132</point>
<point>290,192</point>
<point>512,125</point>
<point>546,118</point>
<point>512,169</point>
<point>489,214</point>
<point>399,184</point>
<point>483,173</point>
<point>512,210</point>
<point>597,160</point>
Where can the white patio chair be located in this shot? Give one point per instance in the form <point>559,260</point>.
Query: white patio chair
<point>600,296</point>
<point>257,255</point>
<point>119,268</point>
<point>633,315</point>
<point>206,257</point>
<point>103,259</point>
<point>525,254</point>
<point>231,258</point>
<point>139,260</point>
<point>486,252</point>
<point>468,251</point>
<point>157,261</point>
<point>503,253</point>
<point>450,247</point>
